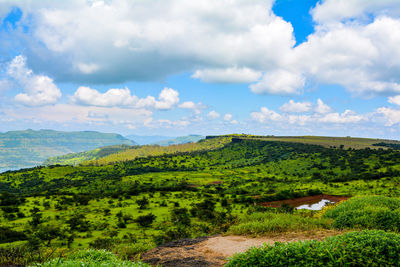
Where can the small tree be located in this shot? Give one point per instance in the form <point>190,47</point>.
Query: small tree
<point>145,220</point>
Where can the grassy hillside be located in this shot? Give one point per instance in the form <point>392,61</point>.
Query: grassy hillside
<point>326,141</point>
<point>210,187</point>
<point>78,158</point>
<point>156,150</point>
<point>22,149</point>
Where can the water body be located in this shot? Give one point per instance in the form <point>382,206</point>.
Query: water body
<point>316,202</point>
<point>316,206</point>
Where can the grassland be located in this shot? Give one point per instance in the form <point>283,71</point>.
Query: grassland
<point>128,204</point>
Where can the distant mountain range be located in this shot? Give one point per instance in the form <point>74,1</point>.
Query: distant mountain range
<point>164,140</point>
<point>22,149</point>
<point>180,140</point>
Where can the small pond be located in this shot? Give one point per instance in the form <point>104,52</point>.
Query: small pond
<point>310,202</point>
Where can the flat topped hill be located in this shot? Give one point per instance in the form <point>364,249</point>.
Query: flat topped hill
<point>110,155</point>
<point>22,149</point>
<point>326,141</point>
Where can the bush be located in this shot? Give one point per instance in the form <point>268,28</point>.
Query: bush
<point>367,248</point>
<point>372,212</point>
<point>91,258</point>
<point>267,222</point>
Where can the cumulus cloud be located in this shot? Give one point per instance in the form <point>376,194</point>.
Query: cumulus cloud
<point>355,43</point>
<point>395,100</point>
<point>326,117</point>
<point>346,117</point>
<point>196,107</point>
<point>265,115</point>
<point>212,115</point>
<point>391,116</point>
<point>227,117</point>
<point>39,90</point>
<point>280,82</point>
<point>296,107</point>
<point>322,107</point>
<point>331,11</point>
<point>228,75</point>
<point>167,99</point>
<point>220,39</point>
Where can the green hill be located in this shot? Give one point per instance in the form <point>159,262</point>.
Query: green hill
<point>22,149</point>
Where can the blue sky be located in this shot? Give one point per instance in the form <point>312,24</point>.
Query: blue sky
<point>174,67</point>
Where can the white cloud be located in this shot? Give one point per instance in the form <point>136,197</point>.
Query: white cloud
<point>119,40</point>
<point>167,99</point>
<point>296,107</point>
<point>322,107</point>
<point>196,107</point>
<point>228,117</point>
<point>228,75</point>
<point>39,90</point>
<point>212,115</point>
<point>391,115</point>
<point>280,82</point>
<point>395,100</point>
<point>266,115</point>
<point>346,117</point>
<point>333,11</point>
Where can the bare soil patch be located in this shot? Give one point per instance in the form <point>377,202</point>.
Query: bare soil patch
<point>214,250</point>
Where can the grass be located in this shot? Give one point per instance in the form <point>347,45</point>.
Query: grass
<point>262,223</point>
<point>366,248</point>
<point>90,258</point>
<point>370,212</point>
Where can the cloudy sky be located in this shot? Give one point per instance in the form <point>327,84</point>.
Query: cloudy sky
<point>177,67</point>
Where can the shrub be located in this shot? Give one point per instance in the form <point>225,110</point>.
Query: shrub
<point>367,248</point>
<point>145,220</point>
<point>372,212</point>
<point>267,222</point>
<point>91,258</point>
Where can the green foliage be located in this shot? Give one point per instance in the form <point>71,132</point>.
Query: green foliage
<point>371,212</point>
<point>366,248</point>
<point>145,220</point>
<point>77,158</point>
<point>260,223</point>
<point>91,258</point>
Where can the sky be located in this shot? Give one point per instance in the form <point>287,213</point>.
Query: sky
<point>178,67</point>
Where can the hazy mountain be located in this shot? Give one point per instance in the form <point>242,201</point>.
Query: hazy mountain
<point>21,149</point>
<point>180,140</point>
<point>146,140</point>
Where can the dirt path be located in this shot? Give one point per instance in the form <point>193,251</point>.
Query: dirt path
<point>214,250</point>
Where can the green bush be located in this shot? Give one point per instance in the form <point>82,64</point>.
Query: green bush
<point>367,248</point>
<point>371,212</point>
<point>91,258</point>
<point>260,223</point>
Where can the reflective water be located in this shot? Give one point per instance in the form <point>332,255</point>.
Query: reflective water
<point>315,206</point>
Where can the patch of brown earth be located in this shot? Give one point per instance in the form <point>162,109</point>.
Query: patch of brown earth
<point>303,200</point>
<point>214,250</point>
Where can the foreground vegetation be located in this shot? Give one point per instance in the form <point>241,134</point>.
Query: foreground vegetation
<point>366,248</point>
<point>130,201</point>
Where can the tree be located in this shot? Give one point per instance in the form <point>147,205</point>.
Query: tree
<point>145,220</point>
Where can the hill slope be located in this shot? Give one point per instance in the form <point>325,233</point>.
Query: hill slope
<point>22,149</point>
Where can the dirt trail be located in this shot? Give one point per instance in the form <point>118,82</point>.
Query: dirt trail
<point>214,250</point>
